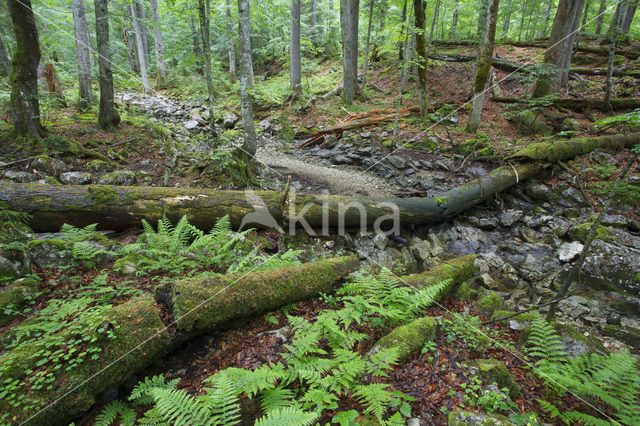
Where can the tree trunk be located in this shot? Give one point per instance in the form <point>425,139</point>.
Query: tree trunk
<point>142,19</point>
<point>522,16</point>
<point>161,74</point>
<point>482,19</point>
<point>582,104</point>
<point>571,42</point>
<point>366,51</point>
<point>559,43</point>
<point>314,22</point>
<point>421,52</point>
<point>203,13</point>
<point>403,26</point>
<point>53,83</point>
<point>24,70</point>
<point>545,19</point>
<point>142,58</point>
<point>5,62</point>
<point>603,7</point>
<point>131,49</point>
<point>197,49</point>
<point>625,26</point>
<point>295,66</point>
<point>612,54</point>
<point>143,335</point>
<point>349,14</point>
<point>246,83</point>
<point>454,19</point>
<point>82,52</point>
<point>485,54</point>
<point>108,117</point>
<point>230,45</point>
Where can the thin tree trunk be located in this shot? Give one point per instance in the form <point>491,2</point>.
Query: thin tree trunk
<point>403,20</point>
<point>485,54</point>
<point>524,14</point>
<point>628,17</point>
<point>24,70</point>
<point>161,74</point>
<point>295,66</point>
<point>571,42</point>
<point>582,24</point>
<point>246,84</point>
<point>314,22</point>
<point>82,52</point>
<point>403,79</point>
<point>603,7</point>
<point>203,13</point>
<point>421,52</point>
<point>142,58</point>
<point>454,20</point>
<point>108,117</point>
<point>142,19</point>
<point>545,19</point>
<point>4,60</point>
<point>349,11</point>
<point>612,54</point>
<point>433,24</point>
<point>131,49</point>
<point>482,19</point>
<point>366,54</point>
<point>230,45</point>
<point>507,21</point>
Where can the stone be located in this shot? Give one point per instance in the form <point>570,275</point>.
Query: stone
<point>483,222</point>
<point>15,297</point>
<point>571,197</point>
<point>612,266</point>
<point>397,162</point>
<point>48,165</point>
<point>615,220</point>
<point>119,178</point>
<point>538,191</point>
<point>190,124</point>
<point>75,178</point>
<point>229,120</point>
<point>50,252</point>
<point>100,166</point>
<point>365,135</point>
<point>494,371</point>
<point>569,251</point>
<point>20,176</point>
<point>476,171</point>
<point>380,241</point>
<point>341,159</point>
<point>467,418</point>
<point>509,217</point>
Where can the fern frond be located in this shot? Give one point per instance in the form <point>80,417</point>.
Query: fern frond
<point>545,342</point>
<point>176,406</point>
<point>288,416</point>
<point>114,411</point>
<point>374,397</point>
<point>140,395</point>
<point>273,399</point>
<point>222,399</point>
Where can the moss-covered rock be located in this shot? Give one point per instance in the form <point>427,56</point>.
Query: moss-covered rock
<point>457,270</point>
<point>493,371</point>
<point>525,317</point>
<point>409,338</point>
<point>581,232</point>
<point>464,292</point>
<point>467,418</point>
<point>119,178</point>
<point>15,297</point>
<point>50,252</point>
<point>100,166</point>
<point>490,303</point>
<point>129,264</point>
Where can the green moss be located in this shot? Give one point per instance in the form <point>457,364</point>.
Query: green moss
<point>58,244</point>
<point>490,303</point>
<point>494,371</point>
<point>458,269</point>
<point>102,195</point>
<point>15,297</point>
<point>465,292</point>
<point>467,418</point>
<point>581,232</point>
<point>524,317</point>
<point>409,338</point>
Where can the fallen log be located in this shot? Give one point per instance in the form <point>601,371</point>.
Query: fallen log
<point>563,150</point>
<point>581,104</point>
<point>141,337</point>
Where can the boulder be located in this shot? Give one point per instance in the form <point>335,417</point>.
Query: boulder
<point>229,120</point>
<point>569,251</point>
<point>119,178</point>
<point>48,165</point>
<point>20,176</point>
<point>493,371</point>
<point>50,252</point>
<point>467,418</point>
<point>76,178</point>
<point>15,297</point>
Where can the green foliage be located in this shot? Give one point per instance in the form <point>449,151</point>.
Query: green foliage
<point>116,411</point>
<point>631,119</point>
<point>493,401</point>
<point>544,342</point>
<point>287,416</point>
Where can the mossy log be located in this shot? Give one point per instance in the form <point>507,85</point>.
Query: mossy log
<point>141,337</point>
<point>120,207</point>
<point>562,150</point>
<point>617,104</point>
<point>410,338</point>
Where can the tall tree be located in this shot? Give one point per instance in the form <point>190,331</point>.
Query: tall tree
<point>246,82</point>
<point>603,7</point>
<point>82,51</point>
<point>483,66</point>
<point>203,13</point>
<point>367,44</point>
<point>4,60</point>
<point>619,19</point>
<point>197,48</point>
<point>454,19</point>
<point>230,45</point>
<point>482,18</point>
<point>630,12</point>
<point>349,15</point>
<point>560,42</point>
<point>571,42</point>
<point>403,20</point>
<point>24,70</point>
<point>295,66</point>
<point>142,57</point>
<point>421,52</point>
<point>108,117</point>
<point>545,20</point>
<point>161,73</point>
<point>313,30</point>
<point>143,28</point>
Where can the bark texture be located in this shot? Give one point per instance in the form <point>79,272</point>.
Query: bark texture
<point>203,13</point>
<point>349,15</point>
<point>142,57</point>
<point>295,66</point>
<point>108,117</point>
<point>197,48</point>
<point>231,50</point>
<point>421,52</point>
<point>158,45</point>
<point>142,338</point>
<point>24,70</point>
<point>603,7</point>
<point>82,52</point>
<point>5,62</point>
<point>246,77</point>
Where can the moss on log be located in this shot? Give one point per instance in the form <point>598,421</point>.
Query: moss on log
<point>617,104</point>
<point>409,338</point>
<point>141,337</point>
<point>562,150</point>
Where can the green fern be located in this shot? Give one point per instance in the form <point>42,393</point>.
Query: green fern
<point>222,399</point>
<point>115,411</point>
<point>544,342</point>
<point>287,416</point>
<point>274,399</point>
<point>176,406</point>
<point>375,398</point>
<point>140,395</point>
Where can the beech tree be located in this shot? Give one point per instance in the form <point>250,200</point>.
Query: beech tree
<point>4,60</point>
<point>230,44</point>
<point>82,52</point>
<point>246,81</point>
<point>295,66</point>
<point>24,70</point>
<point>161,72</point>
<point>108,117</point>
<point>142,57</point>
<point>421,52</point>
<point>349,14</point>
<point>203,13</point>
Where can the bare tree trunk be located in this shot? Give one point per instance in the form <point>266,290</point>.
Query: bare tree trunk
<point>314,22</point>
<point>524,14</point>
<point>230,45</point>
<point>142,58</point>
<point>53,83</point>
<point>403,20</point>
<point>625,26</point>
<point>4,61</point>
<point>403,79</point>
<point>203,13</point>
<point>612,54</point>
<point>82,51</point>
<point>582,24</point>
<point>142,19</point>
<point>24,70</point>
<point>161,74</point>
<point>482,19</point>
<point>454,20</point>
<point>421,52</point>
<point>246,70</point>
<point>547,15</point>
<point>559,42</point>
<point>603,7</point>
<point>507,21</point>
<point>485,54</point>
<point>295,66</point>
<point>131,49</point>
<point>366,53</point>
<point>571,42</point>
<point>349,11</point>
<point>197,48</point>
<point>108,117</point>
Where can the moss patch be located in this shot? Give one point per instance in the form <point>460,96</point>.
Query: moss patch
<point>490,303</point>
<point>494,371</point>
<point>410,338</point>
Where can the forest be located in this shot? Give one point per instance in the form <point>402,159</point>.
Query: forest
<point>319,212</point>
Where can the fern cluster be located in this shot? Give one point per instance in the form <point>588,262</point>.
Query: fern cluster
<point>612,379</point>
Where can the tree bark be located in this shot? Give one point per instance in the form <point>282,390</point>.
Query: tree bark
<point>612,54</point>
<point>403,26</point>
<point>142,335</point>
<point>349,15</point>
<point>582,104</point>
<point>131,49</point>
<point>53,83</point>
<point>295,66</point>
<point>203,13</point>
<point>571,42</point>
<point>5,62</point>
<point>545,19</point>
<point>108,117</point>
<point>421,52</point>
<point>314,22</point>
<point>142,19</point>
<point>603,7</point>
<point>24,70</point>
<point>454,19</point>
<point>158,45</point>
<point>197,49</point>
<point>142,57</point>
<point>82,52</point>
<point>482,18</point>
<point>367,45</point>
<point>230,44</point>
<point>246,81</point>
<point>507,21</point>
<point>485,54</point>
<point>632,6</point>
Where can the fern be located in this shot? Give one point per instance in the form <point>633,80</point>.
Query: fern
<point>544,342</point>
<point>176,406</point>
<point>222,399</point>
<point>288,416</point>
<point>116,411</point>
<point>140,395</point>
<point>274,399</point>
<point>375,398</point>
